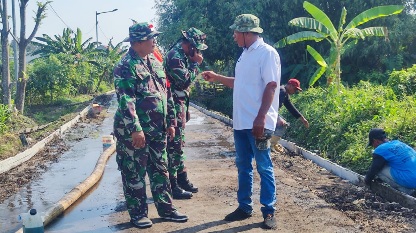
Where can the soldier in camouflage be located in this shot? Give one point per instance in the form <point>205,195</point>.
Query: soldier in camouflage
<point>181,64</point>
<point>142,121</point>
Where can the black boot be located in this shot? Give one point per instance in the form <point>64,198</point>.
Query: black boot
<point>177,192</point>
<point>185,184</point>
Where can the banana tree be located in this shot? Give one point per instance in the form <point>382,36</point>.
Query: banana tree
<point>105,61</point>
<point>339,38</point>
<point>69,42</point>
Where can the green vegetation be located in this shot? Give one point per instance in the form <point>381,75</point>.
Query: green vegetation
<point>46,113</point>
<point>378,80</point>
<point>62,82</point>
<point>378,75</point>
<point>69,42</point>
<point>339,124</point>
<point>221,101</point>
<point>69,67</point>
<point>403,82</point>
<point>372,55</point>
<point>4,117</point>
<point>324,29</point>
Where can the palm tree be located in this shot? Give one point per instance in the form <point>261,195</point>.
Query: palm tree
<point>324,29</point>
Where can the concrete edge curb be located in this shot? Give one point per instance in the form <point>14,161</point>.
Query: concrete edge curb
<point>387,192</point>
<point>79,190</point>
<point>12,162</point>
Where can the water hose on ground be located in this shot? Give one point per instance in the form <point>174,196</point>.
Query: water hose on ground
<point>79,190</point>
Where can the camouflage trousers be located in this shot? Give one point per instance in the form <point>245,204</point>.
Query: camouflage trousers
<point>176,157</point>
<point>134,164</point>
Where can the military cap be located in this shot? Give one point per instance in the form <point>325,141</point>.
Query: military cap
<point>247,23</point>
<point>196,37</point>
<point>140,32</point>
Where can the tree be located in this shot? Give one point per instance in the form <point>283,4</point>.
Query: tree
<point>105,60</point>
<point>5,55</point>
<point>23,43</point>
<point>324,29</point>
<point>176,15</point>
<point>68,43</point>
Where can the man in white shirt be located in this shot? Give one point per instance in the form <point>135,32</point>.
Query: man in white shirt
<point>255,112</point>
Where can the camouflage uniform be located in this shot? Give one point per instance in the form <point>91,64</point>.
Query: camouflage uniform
<point>143,106</point>
<point>181,73</point>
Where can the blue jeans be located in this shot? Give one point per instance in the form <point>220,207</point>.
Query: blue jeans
<point>246,151</point>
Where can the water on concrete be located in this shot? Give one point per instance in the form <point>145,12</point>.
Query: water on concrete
<point>92,211</point>
<point>60,178</point>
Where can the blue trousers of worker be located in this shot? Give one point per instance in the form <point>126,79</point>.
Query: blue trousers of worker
<point>246,151</point>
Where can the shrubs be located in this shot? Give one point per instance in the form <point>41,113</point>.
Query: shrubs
<point>403,82</point>
<point>5,114</point>
<point>339,124</point>
<point>221,101</point>
<point>341,119</point>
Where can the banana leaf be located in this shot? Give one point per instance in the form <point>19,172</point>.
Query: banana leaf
<point>309,23</point>
<point>298,37</point>
<point>365,32</point>
<point>342,19</point>
<point>321,17</point>
<point>374,13</point>
<point>315,54</point>
<point>317,75</point>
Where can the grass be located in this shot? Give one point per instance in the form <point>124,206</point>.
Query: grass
<point>55,115</point>
<point>10,145</point>
<point>43,114</point>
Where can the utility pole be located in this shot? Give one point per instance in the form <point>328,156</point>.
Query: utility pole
<point>96,22</point>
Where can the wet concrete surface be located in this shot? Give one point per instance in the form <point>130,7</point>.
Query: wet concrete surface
<point>90,212</point>
<point>71,168</point>
<point>97,209</point>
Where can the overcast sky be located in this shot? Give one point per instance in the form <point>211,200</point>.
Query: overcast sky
<point>81,14</point>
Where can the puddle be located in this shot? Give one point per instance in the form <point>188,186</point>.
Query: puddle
<point>195,120</point>
<point>85,144</point>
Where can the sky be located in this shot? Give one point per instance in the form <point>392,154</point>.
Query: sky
<point>82,14</point>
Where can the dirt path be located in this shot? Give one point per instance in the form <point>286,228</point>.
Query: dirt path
<point>310,199</point>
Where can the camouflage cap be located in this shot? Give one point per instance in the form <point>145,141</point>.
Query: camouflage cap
<point>140,32</point>
<point>196,37</point>
<point>247,23</point>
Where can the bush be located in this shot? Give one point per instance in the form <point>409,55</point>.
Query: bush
<point>403,82</point>
<point>5,114</point>
<point>59,75</point>
<point>340,119</point>
<point>48,79</point>
<point>339,124</point>
<point>221,102</point>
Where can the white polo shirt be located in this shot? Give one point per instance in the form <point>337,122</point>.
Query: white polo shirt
<point>257,66</point>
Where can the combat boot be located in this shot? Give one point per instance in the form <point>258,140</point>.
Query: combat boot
<point>177,192</point>
<point>184,183</point>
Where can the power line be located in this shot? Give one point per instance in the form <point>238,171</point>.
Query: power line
<point>101,30</point>
<point>59,17</point>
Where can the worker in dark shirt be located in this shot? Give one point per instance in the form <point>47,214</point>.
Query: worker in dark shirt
<point>292,87</point>
<point>394,162</point>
